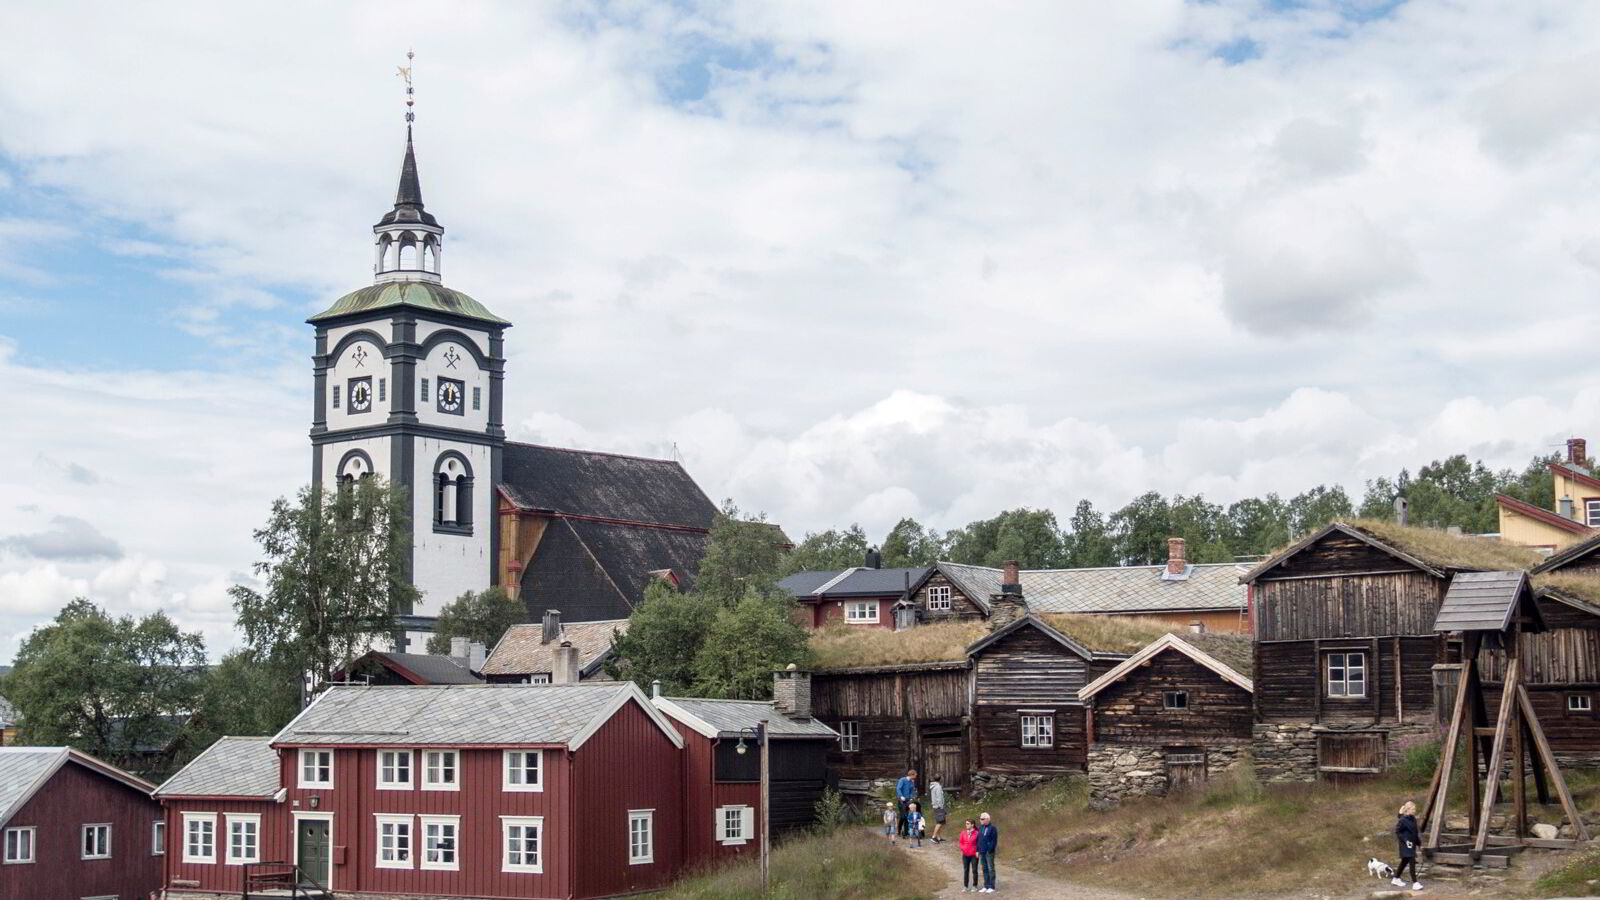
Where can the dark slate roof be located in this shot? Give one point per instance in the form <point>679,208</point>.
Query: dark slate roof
<point>433,669</point>
<point>598,571</point>
<point>408,197</point>
<point>522,652</point>
<point>410,295</point>
<point>853,582</point>
<point>1482,601</point>
<point>459,715</point>
<point>732,718</point>
<point>232,767</point>
<point>1574,552</point>
<point>24,770</point>
<point>604,486</point>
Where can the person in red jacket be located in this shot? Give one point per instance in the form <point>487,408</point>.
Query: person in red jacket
<point>968,841</point>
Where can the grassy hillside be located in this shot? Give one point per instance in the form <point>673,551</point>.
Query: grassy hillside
<point>839,865</point>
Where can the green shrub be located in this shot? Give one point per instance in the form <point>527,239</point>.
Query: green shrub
<point>833,812</point>
<point>1416,765</point>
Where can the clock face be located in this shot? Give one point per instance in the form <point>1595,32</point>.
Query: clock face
<point>360,395</point>
<point>450,394</point>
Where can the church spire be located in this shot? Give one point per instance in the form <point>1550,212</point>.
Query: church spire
<point>409,238</point>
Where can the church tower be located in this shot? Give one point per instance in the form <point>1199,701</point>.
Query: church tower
<point>409,387</point>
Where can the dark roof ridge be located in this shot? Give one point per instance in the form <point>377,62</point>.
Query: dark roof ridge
<point>611,453</point>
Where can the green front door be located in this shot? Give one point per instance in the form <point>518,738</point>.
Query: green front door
<point>314,848</point>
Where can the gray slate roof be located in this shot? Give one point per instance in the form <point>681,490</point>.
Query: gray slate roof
<point>521,653</point>
<point>731,717</point>
<point>232,767</point>
<point>856,582</point>
<point>453,714</point>
<point>1111,590</point>
<point>1481,601</point>
<point>434,669</point>
<point>23,770</point>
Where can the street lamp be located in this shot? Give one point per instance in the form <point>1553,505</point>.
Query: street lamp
<point>759,733</point>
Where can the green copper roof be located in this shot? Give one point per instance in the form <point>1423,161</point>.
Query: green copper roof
<point>418,295</point>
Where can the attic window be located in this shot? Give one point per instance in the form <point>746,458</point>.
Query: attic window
<point>1175,700</point>
<point>939,597</point>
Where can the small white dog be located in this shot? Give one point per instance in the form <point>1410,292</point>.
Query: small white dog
<point>1379,869</point>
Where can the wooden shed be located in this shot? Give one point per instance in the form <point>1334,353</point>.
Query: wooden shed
<point>1169,717</point>
<point>895,717</point>
<point>1346,650</point>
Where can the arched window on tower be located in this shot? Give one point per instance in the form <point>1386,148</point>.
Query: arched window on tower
<point>355,466</point>
<point>385,253</point>
<point>430,254</point>
<point>452,494</point>
<point>408,251</point>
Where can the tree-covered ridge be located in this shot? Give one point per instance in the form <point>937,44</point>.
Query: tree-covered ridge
<point>1450,492</point>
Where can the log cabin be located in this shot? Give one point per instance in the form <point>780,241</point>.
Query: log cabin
<point>1169,717</point>
<point>1345,652</point>
<point>484,791</point>
<point>73,826</point>
<point>898,715</point>
<point>722,766</point>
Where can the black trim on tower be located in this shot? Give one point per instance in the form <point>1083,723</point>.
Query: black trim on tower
<point>403,361</point>
<point>496,460</point>
<point>402,464</point>
<point>391,428</point>
<point>319,384</point>
<point>497,377</point>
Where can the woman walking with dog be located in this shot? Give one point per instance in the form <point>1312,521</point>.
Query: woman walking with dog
<point>1405,832</point>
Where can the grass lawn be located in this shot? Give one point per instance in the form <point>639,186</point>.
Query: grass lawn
<point>838,865</point>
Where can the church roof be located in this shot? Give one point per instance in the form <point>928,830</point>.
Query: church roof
<point>408,199</point>
<point>418,295</point>
<point>604,486</point>
<point>594,571</point>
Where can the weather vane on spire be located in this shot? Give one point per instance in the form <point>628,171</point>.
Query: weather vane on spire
<point>411,98</point>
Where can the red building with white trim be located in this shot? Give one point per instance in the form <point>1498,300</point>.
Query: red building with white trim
<point>73,826</point>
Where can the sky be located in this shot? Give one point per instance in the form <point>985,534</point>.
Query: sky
<point>849,262</point>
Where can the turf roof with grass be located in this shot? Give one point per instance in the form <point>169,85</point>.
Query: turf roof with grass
<point>1433,547</point>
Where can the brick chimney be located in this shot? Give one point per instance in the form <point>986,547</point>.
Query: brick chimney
<point>564,670</point>
<point>1007,606</point>
<point>791,692</point>
<point>552,626</point>
<point>1577,451</point>
<point>1176,563</point>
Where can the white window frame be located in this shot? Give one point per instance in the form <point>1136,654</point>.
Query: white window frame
<point>454,784</point>
<point>451,822</point>
<point>850,736</point>
<point>253,820</point>
<point>743,817</point>
<point>539,678</point>
<point>854,612</point>
<point>385,757</point>
<point>32,833</point>
<point>939,597</point>
<point>537,824</point>
<point>83,841</point>
<point>1580,703</point>
<point>1591,511</point>
<point>514,762</point>
<point>305,782</point>
<point>1042,734</point>
<point>1168,706</point>
<point>648,817</point>
<point>1345,657</point>
<point>379,847</point>
<point>158,837</point>
<point>191,819</point>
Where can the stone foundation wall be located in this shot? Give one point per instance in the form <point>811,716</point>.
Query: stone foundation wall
<point>981,784</point>
<point>1119,772</point>
<point>1287,752</point>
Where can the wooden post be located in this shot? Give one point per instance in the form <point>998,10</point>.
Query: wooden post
<point>1434,814</point>
<point>1519,776</point>
<point>1399,684</point>
<point>1540,785</point>
<point>1502,723</point>
<point>1580,830</point>
<point>766,815</point>
<point>1316,668</point>
<point>1377,684</point>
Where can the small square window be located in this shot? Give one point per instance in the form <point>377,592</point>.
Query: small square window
<point>939,597</point>
<point>96,842</point>
<point>1038,731</point>
<point>524,771</point>
<point>849,737</point>
<point>316,768</point>
<point>1580,703</point>
<point>1175,700</point>
<point>1346,675</point>
<point>439,770</point>
<point>735,825</point>
<point>394,770</point>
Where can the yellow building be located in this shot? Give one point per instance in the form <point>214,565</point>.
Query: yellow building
<point>1577,507</point>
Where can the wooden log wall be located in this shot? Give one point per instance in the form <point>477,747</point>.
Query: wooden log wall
<point>1289,688</point>
<point>999,739</point>
<point>1566,731</point>
<point>1561,656</point>
<point>1385,604</point>
<point>1027,668</point>
<point>890,709</point>
<point>962,608</point>
<point>1133,711</point>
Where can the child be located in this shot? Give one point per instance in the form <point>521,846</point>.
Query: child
<point>891,818</point>
<point>968,841</point>
<point>1405,831</point>
<point>914,823</point>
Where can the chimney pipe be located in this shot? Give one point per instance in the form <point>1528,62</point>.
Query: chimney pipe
<point>1577,451</point>
<point>565,666</point>
<point>791,692</point>
<point>655,688</point>
<point>1176,563</point>
<point>874,559</point>
<point>461,650</point>
<point>552,626</point>
<point>477,655</point>
<point>1567,508</point>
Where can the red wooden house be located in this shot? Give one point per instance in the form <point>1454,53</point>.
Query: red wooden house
<point>484,791</point>
<point>865,596</point>
<point>73,826</point>
<point>722,786</point>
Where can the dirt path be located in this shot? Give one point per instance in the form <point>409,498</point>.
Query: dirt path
<point>1010,881</point>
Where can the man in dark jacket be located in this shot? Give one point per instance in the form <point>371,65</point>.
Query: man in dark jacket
<point>988,841</point>
<point>905,791</point>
